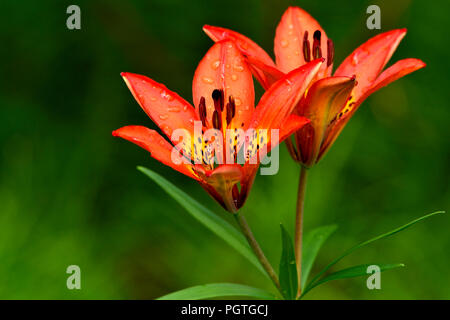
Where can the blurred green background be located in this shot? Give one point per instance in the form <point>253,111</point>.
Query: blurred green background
<point>70,192</point>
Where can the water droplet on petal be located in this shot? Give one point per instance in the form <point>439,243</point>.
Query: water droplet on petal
<point>185,108</point>
<point>234,77</point>
<point>153,99</point>
<point>237,101</point>
<point>215,64</point>
<point>163,116</point>
<point>207,80</point>
<point>173,109</point>
<point>284,43</point>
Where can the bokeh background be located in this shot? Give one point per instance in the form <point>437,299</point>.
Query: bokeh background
<point>70,192</point>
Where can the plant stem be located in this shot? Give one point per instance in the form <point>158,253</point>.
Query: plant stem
<point>299,225</point>
<point>242,222</point>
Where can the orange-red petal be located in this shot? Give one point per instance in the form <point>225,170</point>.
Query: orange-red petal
<point>325,98</point>
<point>278,102</point>
<point>222,179</point>
<point>265,74</point>
<point>289,40</point>
<point>397,70</point>
<point>153,142</point>
<point>166,108</point>
<point>369,59</point>
<point>248,47</point>
<point>224,67</point>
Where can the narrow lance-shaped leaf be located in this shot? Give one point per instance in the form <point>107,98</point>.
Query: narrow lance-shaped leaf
<point>206,217</point>
<point>311,245</point>
<point>362,244</point>
<point>356,271</point>
<point>215,290</point>
<point>288,269</point>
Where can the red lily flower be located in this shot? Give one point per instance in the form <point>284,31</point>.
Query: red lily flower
<point>330,101</point>
<point>224,95</point>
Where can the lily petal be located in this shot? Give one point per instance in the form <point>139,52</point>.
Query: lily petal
<point>369,59</point>
<point>222,180</point>
<point>166,108</point>
<point>265,74</point>
<point>324,100</point>
<point>153,142</point>
<point>224,67</point>
<point>248,47</point>
<point>295,27</point>
<point>278,102</point>
<point>397,70</point>
<point>394,72</point>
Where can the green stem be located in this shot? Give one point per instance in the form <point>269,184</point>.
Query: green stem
<point>299,225</point>
<point>242,222</point>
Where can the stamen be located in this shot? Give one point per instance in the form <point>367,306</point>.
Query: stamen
<point>217,122</point>
<point>217,96</point>
<point>306,48</point>
<point>231,109</point>
<point>233,106</point>
<point>229,114</point>
<point>330,52</point>
<point>202,110</point>
<point>317,50</point>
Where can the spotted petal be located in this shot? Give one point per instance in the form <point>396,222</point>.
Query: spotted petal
<point>324,100</point>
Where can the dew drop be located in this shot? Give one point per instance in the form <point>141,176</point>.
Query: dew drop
<point>284,43</point>
<point>207,80</point>
<point>238,68</point>
<point>163,116</point>
<point>173,109</point>
<point>215,64</point>
<point>153,99</point>
<point>237,101</point>
<point>234,77</point>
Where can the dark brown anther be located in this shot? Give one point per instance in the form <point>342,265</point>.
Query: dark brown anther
<point>218,98</point>
<point>202,110</point>
<point>229,113</point>
<point>330,52</point>
<point>231,109</point>
<point>317,50</point>
<point>233,106</point>
<point>306,48</point>
<point>217,122</point>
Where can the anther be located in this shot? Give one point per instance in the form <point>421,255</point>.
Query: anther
<point>231,110</point>
<point>217,122</point>
<point>306,48</point>
<point>217,96</point>
<point>202,111</point>
<point>330,52</point>
<point>317,51</point>
<point>233,106</point>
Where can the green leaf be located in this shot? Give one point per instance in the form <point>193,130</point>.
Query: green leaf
<point>355,271</point>
<point>311,245</point>
<point>206,217</point>
<point>288,268</point>
<point>214,290</point>
<point>362,244</point>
